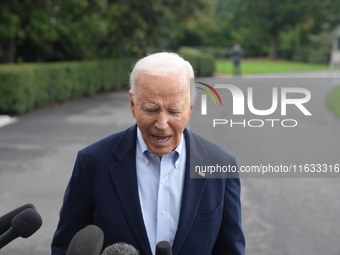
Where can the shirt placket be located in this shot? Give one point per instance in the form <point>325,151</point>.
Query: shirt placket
<point>163,203</point>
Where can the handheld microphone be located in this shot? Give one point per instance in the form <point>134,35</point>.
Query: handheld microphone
<point>87,241</point>
<point>120,249</point>
<point>25,224</point>
<point>5,220</point>
<point>163,248</point>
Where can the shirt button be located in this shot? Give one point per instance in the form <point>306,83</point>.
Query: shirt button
<point>146,161</point>
<point>163,213</point>
<point>162,181</point>
<point>151,155</point>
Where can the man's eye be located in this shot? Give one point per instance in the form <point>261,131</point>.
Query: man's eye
<point>174,113</point>
<point>150,111</point>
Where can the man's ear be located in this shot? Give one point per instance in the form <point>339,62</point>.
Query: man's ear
<point>132,104</point>
<point>191,109</point>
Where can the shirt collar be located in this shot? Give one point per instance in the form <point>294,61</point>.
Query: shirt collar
<point>145,150</point>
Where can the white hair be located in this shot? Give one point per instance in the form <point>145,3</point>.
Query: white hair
<point>163,64</point>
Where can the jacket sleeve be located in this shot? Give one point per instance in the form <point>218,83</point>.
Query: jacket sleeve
<point>76,212</point>
<point>230,240</point>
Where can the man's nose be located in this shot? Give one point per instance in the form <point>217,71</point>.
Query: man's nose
<point>161,121</point>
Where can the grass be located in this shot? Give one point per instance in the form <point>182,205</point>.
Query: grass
<point>333,100</point>
<point>267,66</point>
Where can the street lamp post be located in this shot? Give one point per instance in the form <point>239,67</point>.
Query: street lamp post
<point>335,53</point>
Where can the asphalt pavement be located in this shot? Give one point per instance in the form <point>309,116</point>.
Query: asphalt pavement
<point>286,215</point>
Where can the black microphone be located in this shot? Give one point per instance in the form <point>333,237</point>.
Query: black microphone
<point>87,241</point>
<point>163,248</point>
<point>5,220</point>
<point>25,224</point>
<point>120,249</point>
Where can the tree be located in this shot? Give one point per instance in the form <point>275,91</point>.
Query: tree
<point>20,20</point>
<point>90,29</point>
<point>270,17</point>
<point>70,26</point>
<point>140,26</point>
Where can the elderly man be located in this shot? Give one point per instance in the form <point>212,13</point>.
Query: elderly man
<point>135,185</point>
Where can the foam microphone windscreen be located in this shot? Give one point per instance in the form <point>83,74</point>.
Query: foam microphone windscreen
<point>5,220</point>
<point>24,224</point>
<point>163,248</point>
<point>27,222</point>
<point>87,241</point>
<point>120,249</point>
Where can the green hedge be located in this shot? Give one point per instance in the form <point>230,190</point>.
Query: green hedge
<point>203,63</point>
<point>28,86</point>
<point>218,52</point>
<point>310,55</point>
<point>301,55</point>
<point>318,57</point>
<point>333,100</point>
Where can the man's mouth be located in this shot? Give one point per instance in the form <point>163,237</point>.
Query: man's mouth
<point>161,139</point>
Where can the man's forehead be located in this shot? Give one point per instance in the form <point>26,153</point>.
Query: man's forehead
<point>171,96</point>
<point>152,105</point>
<point>171,80</point>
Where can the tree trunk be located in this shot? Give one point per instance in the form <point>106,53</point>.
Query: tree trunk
<point>273,47</point>
<point>8,51</point>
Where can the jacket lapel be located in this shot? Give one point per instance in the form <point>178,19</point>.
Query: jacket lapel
<point>124,177</point>
<point>192,191</point>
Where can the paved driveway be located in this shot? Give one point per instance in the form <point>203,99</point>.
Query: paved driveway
<point>281,216</point>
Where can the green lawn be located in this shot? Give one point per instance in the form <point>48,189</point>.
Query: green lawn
<point>333,100</point>
<point>266,66</point>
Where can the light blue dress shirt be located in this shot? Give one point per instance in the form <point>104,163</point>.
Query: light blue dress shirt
<point>160,188</point>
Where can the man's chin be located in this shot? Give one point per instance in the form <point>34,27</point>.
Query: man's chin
<point>160,153</point>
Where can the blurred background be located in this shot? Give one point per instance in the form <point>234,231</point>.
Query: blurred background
<point>52,51</point>
<point>64,68</point>
<point>57,30</point>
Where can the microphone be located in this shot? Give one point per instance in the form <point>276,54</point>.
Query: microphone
<point>5,220</point>
<point>25,224</point>
<point>87,241</point>
<point>163,248</point>
<point>120,249</point>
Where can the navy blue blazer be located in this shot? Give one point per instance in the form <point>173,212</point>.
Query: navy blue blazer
<point>103,191</point>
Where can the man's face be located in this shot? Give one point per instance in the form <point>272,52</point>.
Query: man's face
<point>161,109</point>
